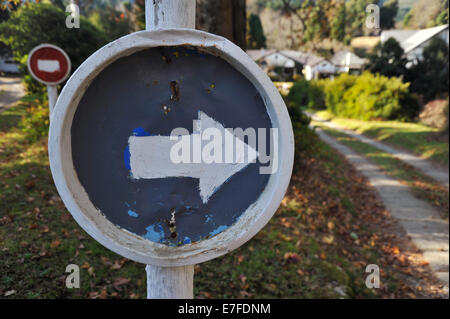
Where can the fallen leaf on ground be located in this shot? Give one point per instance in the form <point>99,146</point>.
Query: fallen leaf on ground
<point>292,258</point>
<point>120,282</point>
<point>55,243</point>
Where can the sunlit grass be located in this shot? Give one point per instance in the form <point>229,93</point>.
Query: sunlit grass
<point>414,137</point>
<point>422,186</point>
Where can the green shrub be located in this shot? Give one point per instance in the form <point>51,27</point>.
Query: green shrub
<point>306,94</point>
<point>370,96</point>
<point>36,123</point>
<point>429,77</point>
<point>305,137</point>
<point>335,91</point>
<point>410,108</point>
<point>34,24</point>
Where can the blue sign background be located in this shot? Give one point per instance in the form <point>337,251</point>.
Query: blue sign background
<point>127,99</point>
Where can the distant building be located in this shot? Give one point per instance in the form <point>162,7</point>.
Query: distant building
<point>7,64</point>
<point>414,41</point>
<point>312,66</point>
<point>287,64</point>
<point>257,55</point>
<point>348,62</point>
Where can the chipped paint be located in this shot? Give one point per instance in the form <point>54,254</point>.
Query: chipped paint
<point>155,233</point>
<point>218,230</point>
<point>208,218</point>
<point>133,214</point>
<point>138,132</point>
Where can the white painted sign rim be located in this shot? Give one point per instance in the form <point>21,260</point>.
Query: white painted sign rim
<point>122,241</point>
<point>47,45</point>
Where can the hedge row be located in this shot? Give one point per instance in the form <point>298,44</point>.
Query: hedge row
<point>365,97</point>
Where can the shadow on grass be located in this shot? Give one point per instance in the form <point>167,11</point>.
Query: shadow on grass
<point>11,118</point>
<point>432,145</point>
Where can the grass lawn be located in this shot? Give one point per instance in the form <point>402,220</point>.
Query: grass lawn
<point>330,226</point>
<point>422,140</point>
<point>422,187</point>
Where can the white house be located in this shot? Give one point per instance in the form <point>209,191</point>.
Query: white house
<point>287,63</point>
<point>414,41</point>
<point>7,65</point>
<point>346,61</point>
<point>314,67</point>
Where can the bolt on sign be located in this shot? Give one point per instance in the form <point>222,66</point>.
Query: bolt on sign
<point>171,147</point>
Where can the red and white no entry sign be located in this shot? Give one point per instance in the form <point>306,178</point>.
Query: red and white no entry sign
<point>49,64</point>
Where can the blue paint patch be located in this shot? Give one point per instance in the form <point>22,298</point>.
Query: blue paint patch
<point>208,219</point>
<point>218,230</point>
<point>127,158</point>
<point>155,233</point>
<point>188,51</point>
<point>187,241</point>
<point>133,214</point>
<point>140,132</point>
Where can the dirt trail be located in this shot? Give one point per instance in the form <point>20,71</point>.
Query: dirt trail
<point>423,224</point>
<point>426,167</point>
<point>11,91</point>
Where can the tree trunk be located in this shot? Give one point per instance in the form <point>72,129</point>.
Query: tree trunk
<point>227,18</point>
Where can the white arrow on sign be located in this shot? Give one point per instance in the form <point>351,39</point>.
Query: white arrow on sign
<point>151,159</point>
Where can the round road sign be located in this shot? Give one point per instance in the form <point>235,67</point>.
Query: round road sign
<point>171,147</point>
<point>49,64</point>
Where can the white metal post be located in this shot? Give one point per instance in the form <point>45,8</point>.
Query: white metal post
<point>170,282</point>
<point>169,14</point>
<point>52,92</point>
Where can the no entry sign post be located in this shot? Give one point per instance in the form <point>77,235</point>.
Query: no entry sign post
<point>51,66</point>
<point>171,147</point>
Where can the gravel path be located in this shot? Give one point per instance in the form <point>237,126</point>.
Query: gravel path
<point>11,91</point>
<point>423,224</point>
<point>426,167</point>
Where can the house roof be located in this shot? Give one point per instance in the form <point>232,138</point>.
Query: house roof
<point>399,35</point>
<point>346,58</point>
<point>302,57</point>
<point>411,39</point>
<point>257,55</point>
<point>297,56</point>
<point>422,36</point>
